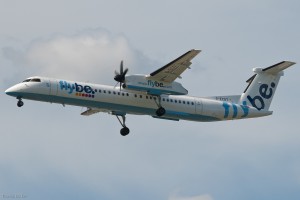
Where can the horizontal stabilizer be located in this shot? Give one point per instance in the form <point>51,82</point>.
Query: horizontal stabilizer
<point>274,69</point>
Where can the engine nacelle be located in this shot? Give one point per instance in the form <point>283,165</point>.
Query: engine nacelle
<point>146,84</point>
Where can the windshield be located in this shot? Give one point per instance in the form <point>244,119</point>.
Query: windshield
<point>32,80</point>
<point>35,80</point>
<point>27,80</point>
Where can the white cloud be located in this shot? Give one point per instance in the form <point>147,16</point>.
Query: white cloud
<point>90,55</point>
<point>199,197</point>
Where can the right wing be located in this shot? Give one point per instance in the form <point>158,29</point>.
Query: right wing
<point>174,69</point>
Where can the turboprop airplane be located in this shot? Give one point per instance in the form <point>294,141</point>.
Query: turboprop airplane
<point>156,94</point>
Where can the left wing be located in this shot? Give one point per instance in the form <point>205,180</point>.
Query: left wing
<point>90,111</point>
<point>174,69</point>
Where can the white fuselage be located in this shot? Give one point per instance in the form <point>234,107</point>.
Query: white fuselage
<point>120,102</point>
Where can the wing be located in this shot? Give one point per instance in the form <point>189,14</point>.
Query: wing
<point>174,69</point>
<point>90,111</point>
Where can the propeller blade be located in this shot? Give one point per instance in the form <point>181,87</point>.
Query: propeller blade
<point>116,85</point>
<point>120,76</point>
<point>125,72</point>
<point>121,67</point>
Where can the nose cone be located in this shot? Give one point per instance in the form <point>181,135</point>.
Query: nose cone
<point>13,91</point>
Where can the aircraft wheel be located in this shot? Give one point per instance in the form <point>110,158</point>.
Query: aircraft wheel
<point>124,131</point>
<point>20,103</point>
<point>160,111</point>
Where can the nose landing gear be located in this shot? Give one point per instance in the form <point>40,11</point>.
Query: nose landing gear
<point>124,131</point>
<point>20,102</point>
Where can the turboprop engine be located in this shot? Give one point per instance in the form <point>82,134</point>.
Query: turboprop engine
<point>146,84</point>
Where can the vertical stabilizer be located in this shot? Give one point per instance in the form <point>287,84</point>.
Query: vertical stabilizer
<point>262,85</point>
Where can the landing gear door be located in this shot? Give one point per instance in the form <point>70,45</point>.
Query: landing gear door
<point>53,87</point>
<point>199,106</point>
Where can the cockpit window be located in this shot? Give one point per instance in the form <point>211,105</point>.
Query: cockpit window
<point>27,80</point>
<point>35,80</point>
<point>32,80</point>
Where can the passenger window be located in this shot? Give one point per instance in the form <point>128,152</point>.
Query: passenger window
<point>188,102</point>
<point>179,101</point>
<point>135,95</point>
<point>171,100</point>
<point>127,94</point>
<point>95,90</point>
<point>114,92</point>
<point>192,103</point>
<point>123,94</point>
<point>147,97</point>
<point>100,91</point>
<point>183,102</point>
<point>168,100</point>
<point>141,96</point>
<point>119,93</point>
<point>104,91</point>
<point>163,99</point>
<point>150,97</point>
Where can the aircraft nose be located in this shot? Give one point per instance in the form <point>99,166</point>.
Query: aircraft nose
<point>12,91</point>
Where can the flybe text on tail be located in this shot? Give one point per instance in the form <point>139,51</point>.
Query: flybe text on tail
<point>265,92</point>
<point>263,84</point>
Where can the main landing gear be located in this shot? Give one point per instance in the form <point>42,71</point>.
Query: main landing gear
<point>20,102</point>
<point>124,131</point>
<point>160,111</point>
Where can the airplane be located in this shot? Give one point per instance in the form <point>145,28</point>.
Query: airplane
<point>156,94</point>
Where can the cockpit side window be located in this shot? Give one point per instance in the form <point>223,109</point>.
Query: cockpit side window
<point>27,80</point>
<point>35,80</point>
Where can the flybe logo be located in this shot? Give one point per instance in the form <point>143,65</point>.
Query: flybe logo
<point>265,92</point>
<point>80,90</point>
<point>155,84</point>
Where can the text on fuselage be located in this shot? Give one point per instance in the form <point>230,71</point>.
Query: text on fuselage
<point>155,84</point>
<point>81,90</point>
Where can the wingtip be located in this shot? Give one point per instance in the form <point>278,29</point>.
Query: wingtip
<point>197,50</point>
<point>290,62</point>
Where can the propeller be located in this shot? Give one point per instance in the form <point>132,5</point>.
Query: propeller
<point>120,76</point>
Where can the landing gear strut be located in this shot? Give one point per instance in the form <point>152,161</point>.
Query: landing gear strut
<point>124,131</point>
<point>20,102</point>
<point>160,111</point>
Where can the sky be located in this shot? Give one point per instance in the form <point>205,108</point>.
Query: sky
<point>49,151</point>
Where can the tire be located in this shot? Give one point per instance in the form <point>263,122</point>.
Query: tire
<point>20,103</point>
<point>124,131</point>
<point>160,111</point>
